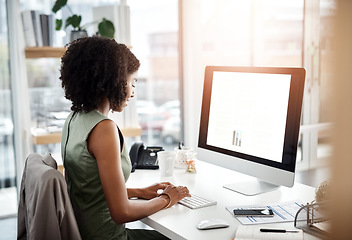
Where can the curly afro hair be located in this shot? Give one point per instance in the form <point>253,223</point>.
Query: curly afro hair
<point>93,68</point>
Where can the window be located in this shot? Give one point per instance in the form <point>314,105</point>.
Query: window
<point>154,42</point>
<point>7,150</point>
<point>48,106</point>
<point>263,33</point>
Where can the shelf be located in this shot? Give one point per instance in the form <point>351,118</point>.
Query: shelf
<point>45,52</point>
<point>41,137</point>
<point>131,132</point>
<point>46,138</point>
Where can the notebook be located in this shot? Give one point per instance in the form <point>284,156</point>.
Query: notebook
<point>253,233</point>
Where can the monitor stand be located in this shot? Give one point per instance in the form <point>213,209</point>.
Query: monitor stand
<point>251,188</point>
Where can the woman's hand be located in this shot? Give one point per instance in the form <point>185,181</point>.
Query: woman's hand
<point>152,191</point>
<point>175,194</point>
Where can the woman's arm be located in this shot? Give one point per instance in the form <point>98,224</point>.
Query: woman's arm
<point>104,145</point>
<point>147,192</point>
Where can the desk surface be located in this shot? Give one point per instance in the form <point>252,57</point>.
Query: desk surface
<point>179,222</point>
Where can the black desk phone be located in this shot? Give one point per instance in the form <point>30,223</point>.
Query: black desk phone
<point>144,158</point>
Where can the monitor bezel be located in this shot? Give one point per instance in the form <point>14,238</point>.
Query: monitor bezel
<point>292,121</point>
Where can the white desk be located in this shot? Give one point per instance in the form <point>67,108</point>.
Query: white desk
<point>179,222</point>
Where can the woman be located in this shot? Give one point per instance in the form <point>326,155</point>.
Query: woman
<point>99,75</point>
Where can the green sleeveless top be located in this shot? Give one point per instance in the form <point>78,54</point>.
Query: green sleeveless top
<point>85,189</point>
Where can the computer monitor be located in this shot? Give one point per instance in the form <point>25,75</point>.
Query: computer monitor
<point>250,120</point>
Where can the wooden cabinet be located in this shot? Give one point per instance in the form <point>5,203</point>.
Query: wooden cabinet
<point>40,136</point>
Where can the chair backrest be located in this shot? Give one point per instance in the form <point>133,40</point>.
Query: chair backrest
<point>45,210</point>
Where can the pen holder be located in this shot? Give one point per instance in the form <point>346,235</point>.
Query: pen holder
<point>181,157</point>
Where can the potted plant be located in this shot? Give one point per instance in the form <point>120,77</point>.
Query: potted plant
<point>105,27</point>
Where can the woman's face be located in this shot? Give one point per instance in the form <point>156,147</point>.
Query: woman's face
<point>131,84</point>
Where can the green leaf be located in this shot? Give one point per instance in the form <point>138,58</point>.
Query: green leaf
<point>74,21</point>
<point>58,24</point>
<point>106,28</point>
<point>58,5</point>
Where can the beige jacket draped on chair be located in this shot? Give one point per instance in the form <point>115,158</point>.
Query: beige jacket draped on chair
<point>45,210</point>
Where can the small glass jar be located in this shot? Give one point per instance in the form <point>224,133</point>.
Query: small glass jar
<point>191,162</point>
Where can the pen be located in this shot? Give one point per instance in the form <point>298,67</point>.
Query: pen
<point>277,230</point>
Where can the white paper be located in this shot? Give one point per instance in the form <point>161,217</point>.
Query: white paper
<point>253,232</point>
<point>283,212</point>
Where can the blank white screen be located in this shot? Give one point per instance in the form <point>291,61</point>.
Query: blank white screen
<point>248,113</point>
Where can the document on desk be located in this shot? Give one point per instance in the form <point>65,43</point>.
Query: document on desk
<point>253,233</point>
<point>283,212</point>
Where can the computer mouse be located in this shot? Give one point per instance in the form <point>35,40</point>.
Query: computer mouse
<point>212,223</point>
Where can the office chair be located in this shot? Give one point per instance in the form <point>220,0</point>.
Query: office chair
<point>45,210</point>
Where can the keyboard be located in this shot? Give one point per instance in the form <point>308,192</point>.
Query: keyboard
<point>195,202</point>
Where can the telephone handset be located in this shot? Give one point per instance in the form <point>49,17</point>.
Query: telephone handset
<point>144,158</point>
